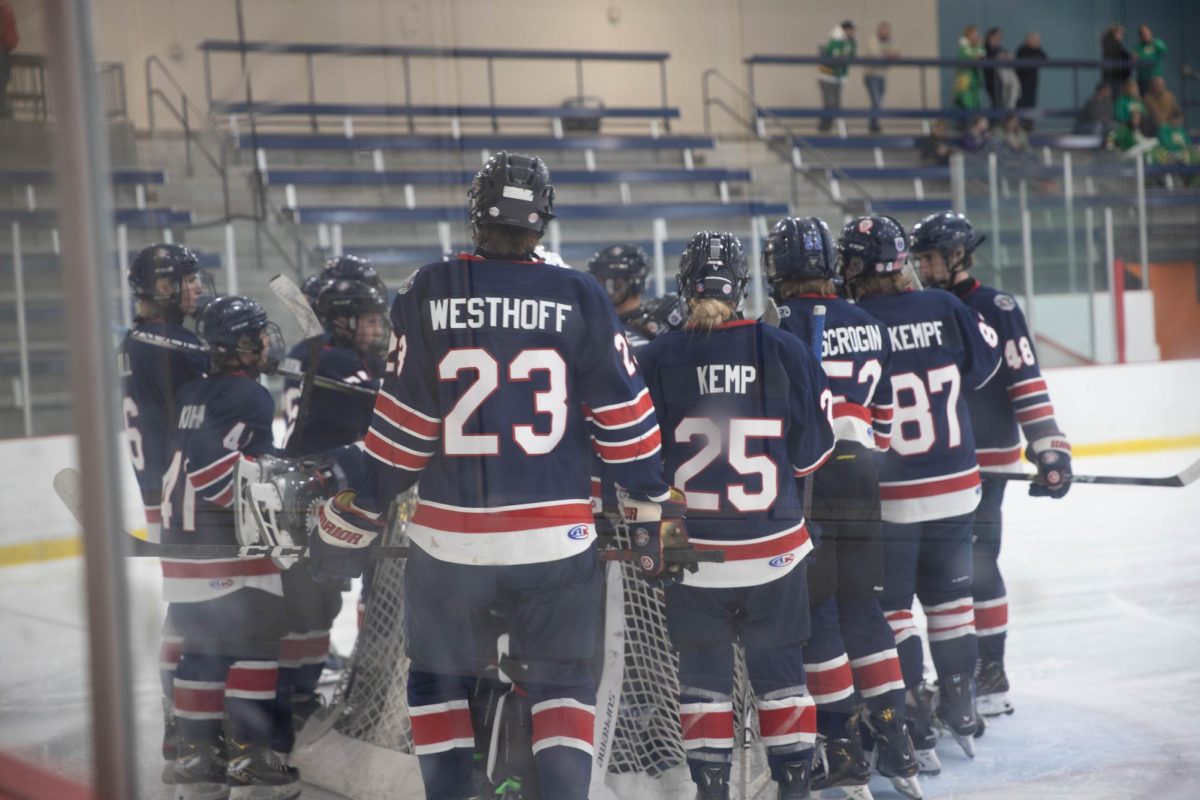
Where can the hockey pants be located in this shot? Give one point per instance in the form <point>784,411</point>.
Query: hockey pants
<point>933,561</point>
<point>704,625</point>
<point>553,610</point>
<point>991,601</point>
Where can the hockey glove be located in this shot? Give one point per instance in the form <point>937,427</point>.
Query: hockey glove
<point>1052,457</point>
<point>655,529</point>
<point>338,550</point>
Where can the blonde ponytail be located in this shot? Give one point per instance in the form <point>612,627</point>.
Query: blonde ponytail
<point>708,313</point>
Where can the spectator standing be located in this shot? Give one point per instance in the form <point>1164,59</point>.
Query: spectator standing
<point>1112,48</point>
<point>1001,82</point>
<point>1160,102</point>
<point>841,44</point>
<point>1151,53</point>
<point>9,39</point>
<point>1096,116</point>
<point>968,78</point>
<point>878,45</point>
<point>1030,50</point>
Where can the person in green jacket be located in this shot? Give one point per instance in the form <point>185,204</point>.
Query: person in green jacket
<point>1150,53</point>
<point>1129,100</point>
<point>830,77</point>
<point>967,79</point>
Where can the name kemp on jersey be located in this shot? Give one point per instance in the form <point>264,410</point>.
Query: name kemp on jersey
<point>725,378</point>
<point>471,313</point>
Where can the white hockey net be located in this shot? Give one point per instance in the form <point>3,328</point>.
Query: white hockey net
<point>361,747</point>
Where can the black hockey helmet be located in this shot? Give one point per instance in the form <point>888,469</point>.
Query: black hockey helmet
<point>175,263</point>
<point>349,266</point>
<point>624,262</point>
<point>713,266</point>
<point>799,247</point>
<point>342,301</point>
<point>312,289</point>
<point>874,245</point>
<point>234,325</point>
<point>512,189</point>
<point>663,314</point>
<point>946,232</point>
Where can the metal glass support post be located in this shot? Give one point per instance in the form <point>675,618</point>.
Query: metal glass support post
<point>1111,267</point>
<point>22,330</point>
<point>1027,254</point>
<point>994,209</point>
<point>958,183</point>
<point>1069,202</point>
<point>231,266</point>
<point>122,254</point>
<point>660,264</point>
<point>79,142</point>
<point>1089,222</point>
<point>1143,239</point>
<point>758,231</point>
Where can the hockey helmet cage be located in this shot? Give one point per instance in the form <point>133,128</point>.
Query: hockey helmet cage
<point>713,266</point>
<point>235,324</point>
<point>875,245</point>
<point>799,247</point>
<point>627,262</point>
<point>512,189</point>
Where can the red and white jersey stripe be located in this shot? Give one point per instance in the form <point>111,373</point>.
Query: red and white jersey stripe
<point>518,534</point>
<point>1000,459</point>
<point>197,580</point>
<point>902,624</point>
<point>787,721</point>
<point>706,725</point>
<point>951,620</point>
<point>750,562</point>
<point>878,673</point>
<point>926,499</point>
<point>440,727</point>
<point>829,681</point>
<point>563,722</point>
<point>252,680</point>
<point>991,616</point>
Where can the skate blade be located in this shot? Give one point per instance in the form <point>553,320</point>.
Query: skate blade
<point>928,762</point>
<point>843,793</point>
<point>993,705</point>
<point>288,791</point>
<point>909,787</point>
<point>201,791</point>
<point>967,743</point>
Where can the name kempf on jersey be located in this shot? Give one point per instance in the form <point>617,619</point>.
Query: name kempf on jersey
<point>462,313</point>
<point>916,335</point>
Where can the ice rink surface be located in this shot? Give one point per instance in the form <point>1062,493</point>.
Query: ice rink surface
<point>1103,651</point>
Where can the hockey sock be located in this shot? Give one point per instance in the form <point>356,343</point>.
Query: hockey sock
<point>250,700</point>
<point>706,719</point>
<point>871,648</point>
<point>316,648</point>
<point>168,659</point>
<point>562,743</point>
<point>199,694</point>
<point>908,645</point>
<point>952,641</point>
<point>826,667</point>
<point>991,626</point>
<point>443,739</point>
<point>787,713</point>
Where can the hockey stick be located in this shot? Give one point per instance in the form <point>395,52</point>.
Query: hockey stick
<point>323,382</point>
<point>66,486</point>
<point>1185,477</point>
<point>314,332</point>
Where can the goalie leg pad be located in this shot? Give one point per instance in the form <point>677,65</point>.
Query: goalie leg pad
<point>443,739</point>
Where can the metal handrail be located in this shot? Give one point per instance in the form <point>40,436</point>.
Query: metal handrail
<point>795,139</point>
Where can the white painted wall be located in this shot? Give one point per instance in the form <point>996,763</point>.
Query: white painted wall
<point>1093,404</point>
<point>1064,318</point>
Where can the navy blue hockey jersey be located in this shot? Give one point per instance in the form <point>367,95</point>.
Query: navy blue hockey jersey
<point>1018,395</point>
<point>855,355</point>
<point>745,410</point>
<point>221,419</point>
<point>941,351</point>
<point>157,359</point>
<point>502,378</point>
<point>335,418</point>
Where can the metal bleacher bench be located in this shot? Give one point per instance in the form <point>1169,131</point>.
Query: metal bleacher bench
<point>348,177</point>
<point>381,215</point>
<point>134,217</point>
<point>120,177</point>
<point>323,141</point>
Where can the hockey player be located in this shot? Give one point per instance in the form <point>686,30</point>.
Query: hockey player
<point>929,481</point>
<point>621,269</point>
<point>229,611</point>
<point>739,400</point>
<point>158,357</point>
<point>851,647</point>
<point>352,310</point>
<point>943,244</point>
<point>503,373</point>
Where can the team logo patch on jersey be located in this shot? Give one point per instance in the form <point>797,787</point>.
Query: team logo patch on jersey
<point>783,560</point>
<point>785,312</point>
<point>641,537</point>
<point>220,583</point>
<point>578,533</point>
<point>1005,302</point>
<point>408,284</point>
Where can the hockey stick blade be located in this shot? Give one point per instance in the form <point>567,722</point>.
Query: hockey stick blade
<point>1186,477</point>
<point>330,383</point>
<point>770,315</point>
<point>290,295</point>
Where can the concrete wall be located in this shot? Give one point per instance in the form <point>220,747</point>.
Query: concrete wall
<point>699,34</point>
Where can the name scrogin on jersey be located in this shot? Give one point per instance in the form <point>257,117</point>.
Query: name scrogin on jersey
<point>460,313</point>
<point>852,339</point>
<point>915,335</point>
<point>725,378</point>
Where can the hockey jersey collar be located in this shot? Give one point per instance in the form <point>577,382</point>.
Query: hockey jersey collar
<point>964,288</point>
<point>733,323</point>
<point>480,255</point>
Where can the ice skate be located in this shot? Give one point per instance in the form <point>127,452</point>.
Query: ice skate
<point>797,776</point>
<point>956,710</point>
<point>840,770</point>
<point>199,772</point>
<point>991,690</point>
<point>891,752</point>
<point>714,782</point>
<point>255,772</point>
<point>919,704</point>
<point>170,749</point>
